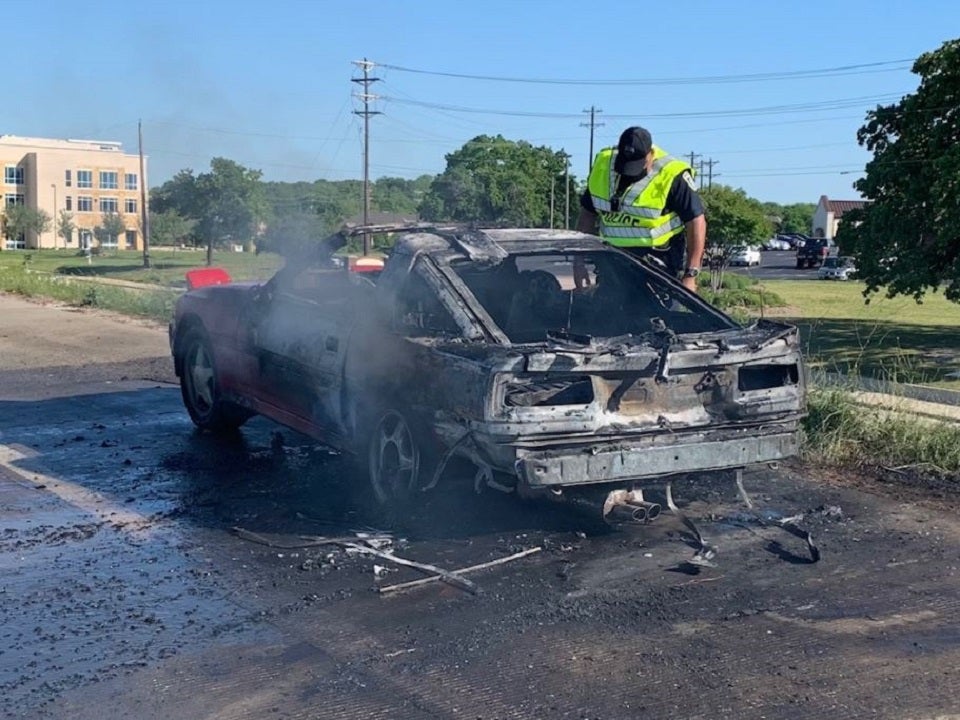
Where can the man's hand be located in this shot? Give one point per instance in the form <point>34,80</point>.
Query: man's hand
<point>689,283</point>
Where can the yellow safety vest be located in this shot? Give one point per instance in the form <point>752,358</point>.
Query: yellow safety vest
<point>639,221</point>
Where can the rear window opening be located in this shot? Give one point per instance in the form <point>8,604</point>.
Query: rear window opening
<point>591,294</point>
<point>764,377</point>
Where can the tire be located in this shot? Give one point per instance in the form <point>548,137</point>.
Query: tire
<point>200,387</point>
<point>400,460</point>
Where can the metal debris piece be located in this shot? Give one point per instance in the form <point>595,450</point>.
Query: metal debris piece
<point>473,568</point>
<point>706,551</point>
<point>449,577</point>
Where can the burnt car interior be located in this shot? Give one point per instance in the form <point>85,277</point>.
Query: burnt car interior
<point>604,294</point>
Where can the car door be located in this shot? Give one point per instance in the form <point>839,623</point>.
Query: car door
<point>298,340</point>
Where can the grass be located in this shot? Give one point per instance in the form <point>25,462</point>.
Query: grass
<point>157,305</point>
<point>841,432</point>
<point>167,266</point>
<point>891,339</point>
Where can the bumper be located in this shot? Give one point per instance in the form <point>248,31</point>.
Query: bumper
<point>639,460</point>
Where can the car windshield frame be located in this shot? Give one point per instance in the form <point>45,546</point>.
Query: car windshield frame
<point>569,313</point>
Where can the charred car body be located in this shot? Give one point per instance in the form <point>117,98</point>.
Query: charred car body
<point>557,364</point>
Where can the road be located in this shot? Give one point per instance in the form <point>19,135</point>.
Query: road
<point>778,265</point>
<point>127,592</point>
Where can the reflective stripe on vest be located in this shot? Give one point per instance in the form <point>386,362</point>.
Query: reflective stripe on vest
<point>639,221</point>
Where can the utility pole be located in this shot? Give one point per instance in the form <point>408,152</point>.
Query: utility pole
<point>566,187</point>
<point>593,124</point>
<point>144,215</point>
<point>710,163</point>
<point>365,66</point>
<point>553,185</point>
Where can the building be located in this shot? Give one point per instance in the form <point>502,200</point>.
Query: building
<point>827,216</point>
<point>86,178</point>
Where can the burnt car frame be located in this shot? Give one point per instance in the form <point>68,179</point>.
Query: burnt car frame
<point>558,365</point>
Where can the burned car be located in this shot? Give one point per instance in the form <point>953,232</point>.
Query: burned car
<point>558,365</point>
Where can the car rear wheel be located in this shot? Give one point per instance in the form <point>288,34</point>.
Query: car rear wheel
<point>200,387</point>
<point>400,462</point>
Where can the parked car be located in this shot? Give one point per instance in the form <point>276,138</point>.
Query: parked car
<point>558,365</point>
<point>745,255</point>
<point>776,243</point>
<point>812,252</point>
<point>837,268</point>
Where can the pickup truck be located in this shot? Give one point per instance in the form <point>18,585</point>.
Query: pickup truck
<point>812,252</point>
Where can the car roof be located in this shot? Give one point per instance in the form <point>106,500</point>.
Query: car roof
<point>451,243</point>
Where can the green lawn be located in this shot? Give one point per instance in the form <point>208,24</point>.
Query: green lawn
<point>167,266</point>
<point>894,339</point>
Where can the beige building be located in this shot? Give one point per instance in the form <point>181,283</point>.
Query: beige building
<point>829,213</point>
<point>86,178</point>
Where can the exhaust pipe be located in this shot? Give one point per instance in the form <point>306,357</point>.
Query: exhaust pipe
<point>641,511</point>
<point>618,506</point>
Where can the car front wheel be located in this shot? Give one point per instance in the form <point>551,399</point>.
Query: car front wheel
<point>200,387</point>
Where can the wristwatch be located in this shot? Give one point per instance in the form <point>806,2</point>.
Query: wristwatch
<point>691,272</point>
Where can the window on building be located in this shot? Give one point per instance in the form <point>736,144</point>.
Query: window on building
<point>68,178</point>
<point>13,199</point>
<point>108,205</point>
<point>130,181</point>
<point>12,175</point>
<point>84,178</point>
<point>108,180</point>
<point>131,239</point>
<point>67,237</point>
<point>130,205</point>
<point>84,203</point>
<point>86,238</point>
<point>17,243</point>
<point>68,203</point>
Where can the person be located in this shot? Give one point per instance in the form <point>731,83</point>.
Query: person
<point>641,199</point>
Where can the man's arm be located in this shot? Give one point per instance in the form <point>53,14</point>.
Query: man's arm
<point>684,200</point>
<point>587,222</point>
<point>696,231</point>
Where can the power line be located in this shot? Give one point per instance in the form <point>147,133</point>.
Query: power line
<point>838,71</point>
<point>836,104</point>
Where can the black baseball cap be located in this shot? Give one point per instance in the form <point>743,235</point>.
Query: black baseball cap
<point>632,149</point>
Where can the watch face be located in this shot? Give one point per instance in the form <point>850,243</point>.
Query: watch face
<point>692,272</point>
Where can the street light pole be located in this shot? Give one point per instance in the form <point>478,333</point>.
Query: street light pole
<point>54,186</point>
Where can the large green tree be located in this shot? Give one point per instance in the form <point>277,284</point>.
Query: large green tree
<point>733,217</point>
<point>227,203</point>
<point>495,180</point>
<point>907,239</point>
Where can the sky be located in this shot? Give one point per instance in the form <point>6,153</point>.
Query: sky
<point>772,92</point>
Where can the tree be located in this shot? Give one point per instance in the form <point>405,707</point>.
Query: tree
<point>20,220</point>
<point>907,239</point>
<point>169,227</point>
<point>65,227</point>
<point>734,218</point>
<point>495,180</point>
<point>230,204</point>
<point>110,229</point>
<point>793,218</point>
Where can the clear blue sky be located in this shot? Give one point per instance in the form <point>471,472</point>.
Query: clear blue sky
<point>268,84</point>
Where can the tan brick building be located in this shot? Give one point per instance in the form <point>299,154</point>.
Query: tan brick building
<point>87,178</point>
